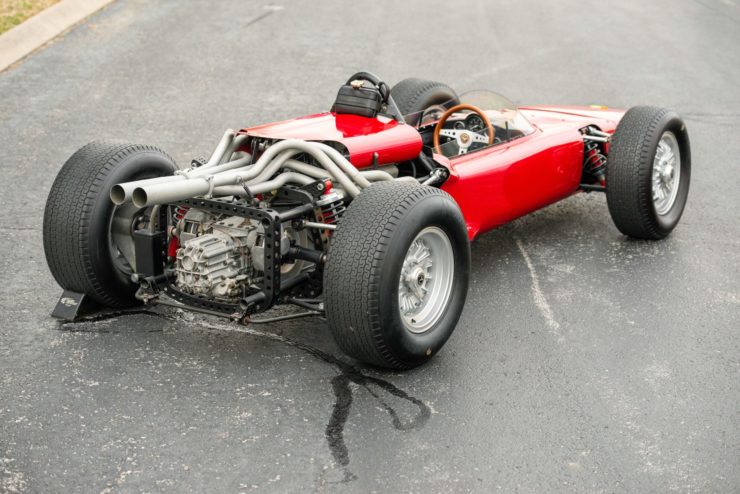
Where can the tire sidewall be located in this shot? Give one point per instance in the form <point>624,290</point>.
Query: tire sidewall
<point>138,166</point>
<point>414,348</point>
<point>673,123</point>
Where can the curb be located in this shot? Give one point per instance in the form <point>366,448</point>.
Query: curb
<point>33,33</point>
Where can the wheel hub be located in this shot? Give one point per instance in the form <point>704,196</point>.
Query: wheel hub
<point>420,279</point>
<point>124,221</point>
<point>667,174</point>
<point>414,276</point>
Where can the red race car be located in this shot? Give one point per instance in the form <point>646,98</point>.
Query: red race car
<point>362,214</point>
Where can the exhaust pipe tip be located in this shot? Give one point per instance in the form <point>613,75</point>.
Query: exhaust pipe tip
<point>139,197</point>
<point>118,195</point>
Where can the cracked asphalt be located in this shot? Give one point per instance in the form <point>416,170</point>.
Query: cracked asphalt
<point>583,362</point>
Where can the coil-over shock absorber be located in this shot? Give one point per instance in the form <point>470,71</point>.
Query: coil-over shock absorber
<point>594,163</point>
<point>594,160</point>
<point>331,207</point>
<point>180,212</point>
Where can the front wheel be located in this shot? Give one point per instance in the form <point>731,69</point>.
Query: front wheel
<point>648,172</point>
<point>396,276</point>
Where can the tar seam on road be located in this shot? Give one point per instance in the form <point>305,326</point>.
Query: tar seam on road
<point>343,396</point>
<point>334,431</point>
<point>539,298</point>
<point>260,17</point>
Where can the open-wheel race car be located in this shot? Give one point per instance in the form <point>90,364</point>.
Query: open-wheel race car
<point>362,214</point>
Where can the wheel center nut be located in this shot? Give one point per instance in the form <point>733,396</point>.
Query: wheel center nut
<point>415,278</point>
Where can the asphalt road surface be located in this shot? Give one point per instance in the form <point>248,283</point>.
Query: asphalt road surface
<point>583,361</point>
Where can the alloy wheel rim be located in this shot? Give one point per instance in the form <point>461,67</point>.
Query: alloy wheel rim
<point>666,173</point>
<point>425,283</point>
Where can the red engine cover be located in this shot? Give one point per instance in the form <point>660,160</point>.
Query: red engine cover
<point>361,136</point>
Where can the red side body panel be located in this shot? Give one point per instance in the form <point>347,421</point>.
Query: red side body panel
<point>491,186</point>
<point>502,183</point>
<point>495,186</point>
<point>361,136</point>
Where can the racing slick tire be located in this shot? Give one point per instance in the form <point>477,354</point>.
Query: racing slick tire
<point>648,172</point>
<point>415,95</point>
<point>88,240</point>
<point>396,276</point>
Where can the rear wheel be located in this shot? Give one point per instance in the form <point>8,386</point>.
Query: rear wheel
<point>396,276</point>
<point>648,172</point>
<point>88,240</point>
<point>414,96</point>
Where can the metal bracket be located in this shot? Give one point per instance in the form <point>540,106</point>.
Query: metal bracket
<point>316,189</point>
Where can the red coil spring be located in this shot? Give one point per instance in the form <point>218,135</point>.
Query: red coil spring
<point>594,162</point>
<point>180,212</point>
<point>330,213</point>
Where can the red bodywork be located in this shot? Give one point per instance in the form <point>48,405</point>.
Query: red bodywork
<point>492,186</point>
<point>361,136</point>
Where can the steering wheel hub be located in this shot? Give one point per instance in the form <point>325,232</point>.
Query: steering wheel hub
<point>464,137</point>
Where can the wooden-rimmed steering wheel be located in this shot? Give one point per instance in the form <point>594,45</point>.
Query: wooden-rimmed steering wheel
<point>464,137</point>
